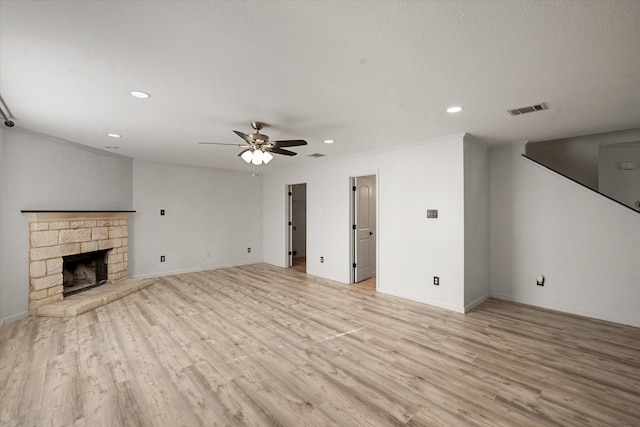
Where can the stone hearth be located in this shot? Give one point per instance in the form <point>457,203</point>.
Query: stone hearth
<point>53,235</point>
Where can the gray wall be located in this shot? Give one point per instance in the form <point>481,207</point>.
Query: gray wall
<point>211,217</point>
<point>42,172</point>
<point>476,222</point>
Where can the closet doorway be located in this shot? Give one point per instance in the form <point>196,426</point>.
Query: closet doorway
<point>297,226</point>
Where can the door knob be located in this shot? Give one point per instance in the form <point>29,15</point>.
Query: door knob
<point>370,233</point>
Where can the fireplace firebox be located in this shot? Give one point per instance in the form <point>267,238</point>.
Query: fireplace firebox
<point>83,271</point>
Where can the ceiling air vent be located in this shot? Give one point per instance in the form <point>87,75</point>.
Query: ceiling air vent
<point>317,155</point>
<point>529,109</point>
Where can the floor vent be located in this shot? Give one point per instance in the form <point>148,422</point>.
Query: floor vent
<point>529,109</point>
<point>317,155</point>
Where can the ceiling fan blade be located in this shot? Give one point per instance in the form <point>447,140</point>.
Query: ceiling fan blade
<point>290,143</point>
<point>221,143</point>
<point>243,151</point>
<point>277,150</point>
<point>244,136</point>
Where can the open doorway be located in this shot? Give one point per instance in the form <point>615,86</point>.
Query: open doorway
<point>297,226</point>
<point>363,230</point>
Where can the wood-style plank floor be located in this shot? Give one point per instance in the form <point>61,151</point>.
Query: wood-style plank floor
<point>260,345</point>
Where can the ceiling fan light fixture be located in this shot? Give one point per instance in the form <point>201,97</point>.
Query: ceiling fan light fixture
<point>257,157</point>
<point>247,156</point>
<point>267,157</point>
<point>328,141</point>
<point>257,148</point>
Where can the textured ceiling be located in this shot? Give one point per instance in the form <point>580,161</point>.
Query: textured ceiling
<point>369,75</point>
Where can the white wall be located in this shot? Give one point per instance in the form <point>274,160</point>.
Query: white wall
<point>577,157</point>
<point>411,248</point>
<point>2,182</point>
<point>476,222</point>
<point>42,172</point>
<point>211,217</point>
<point>586,245</point>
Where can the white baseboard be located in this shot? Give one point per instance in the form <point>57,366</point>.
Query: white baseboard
<point>473,304</point>
<point>439,304</point>
<point>568,310</point>
<point>13,318</point>
<point>190,270</point>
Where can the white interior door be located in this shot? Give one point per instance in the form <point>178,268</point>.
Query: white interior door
<point>365,227</point>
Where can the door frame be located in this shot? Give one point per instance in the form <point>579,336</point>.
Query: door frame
<point>352,232</point>
<point>288,221</point>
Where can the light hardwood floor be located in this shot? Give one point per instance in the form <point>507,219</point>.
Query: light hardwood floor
<point>261,345</point>
<point>299,264</point>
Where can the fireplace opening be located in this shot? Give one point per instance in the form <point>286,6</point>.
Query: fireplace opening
<point>83,271</point>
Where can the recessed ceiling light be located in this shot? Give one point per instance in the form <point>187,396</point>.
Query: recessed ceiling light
<point>139,94</point>
<point>455,109</point>
<point>328,141</point>
<point>111,147</point>
<point>114,135</point>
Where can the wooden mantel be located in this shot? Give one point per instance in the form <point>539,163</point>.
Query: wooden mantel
<point>48,215</point>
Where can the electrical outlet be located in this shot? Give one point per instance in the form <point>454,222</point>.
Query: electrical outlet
<point>248,250</point>
<point>162,258</point>
<point>321,260</point>
<point>436,280</point>
<point>161,212</point>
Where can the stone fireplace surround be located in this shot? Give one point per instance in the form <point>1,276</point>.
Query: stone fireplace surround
<point>54,234</point>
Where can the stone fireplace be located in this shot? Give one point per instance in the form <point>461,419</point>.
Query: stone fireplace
<point>58,236</point>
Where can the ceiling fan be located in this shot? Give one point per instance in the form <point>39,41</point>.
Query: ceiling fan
<point>258,148</point>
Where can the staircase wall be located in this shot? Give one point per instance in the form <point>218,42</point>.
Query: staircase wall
<point>586,245</point>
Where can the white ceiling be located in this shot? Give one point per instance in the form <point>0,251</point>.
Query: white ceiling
<point>368,74</point>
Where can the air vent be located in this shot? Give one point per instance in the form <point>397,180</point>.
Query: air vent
<point>317,155</point>
<point>529,109</point>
